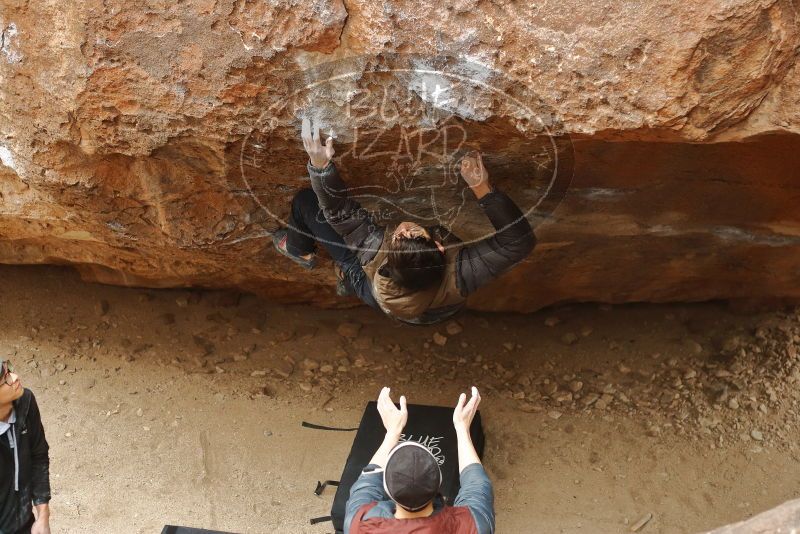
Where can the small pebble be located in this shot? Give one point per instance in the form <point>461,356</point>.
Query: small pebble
<point>639,525</point>
<point>349,330</point>
<point>694,346</point>
<point>453,328</point>
<point>563,396</point>
<point>102,307</point>
<point>569,338</point>
<point>309,364</point>
<point>575,386</point>
<point>529,407</point>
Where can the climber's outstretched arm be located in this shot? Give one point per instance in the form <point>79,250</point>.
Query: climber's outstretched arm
<point>344,214</point>
<point>513,240</point>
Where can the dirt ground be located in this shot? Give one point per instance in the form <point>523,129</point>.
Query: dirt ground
<point>184,407</point>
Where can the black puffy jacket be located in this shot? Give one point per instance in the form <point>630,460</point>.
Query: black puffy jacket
<point>34,466</point>
<point>477,264</point>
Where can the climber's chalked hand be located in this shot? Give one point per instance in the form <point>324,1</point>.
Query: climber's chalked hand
<point>475,174</point>
<point>319,154</point>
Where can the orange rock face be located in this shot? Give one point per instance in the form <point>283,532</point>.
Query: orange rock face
<point>654,145</point>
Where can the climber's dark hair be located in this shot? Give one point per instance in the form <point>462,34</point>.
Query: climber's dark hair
<point>415,263</point>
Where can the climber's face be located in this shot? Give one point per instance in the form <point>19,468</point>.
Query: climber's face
<point>409,230</point>
<point>10,384</point>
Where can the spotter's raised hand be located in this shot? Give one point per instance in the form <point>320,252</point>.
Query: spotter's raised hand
<point>394,419</point>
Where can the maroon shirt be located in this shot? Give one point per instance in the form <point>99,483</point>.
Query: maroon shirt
<point>450,520</point>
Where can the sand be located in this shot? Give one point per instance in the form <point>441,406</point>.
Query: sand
<point>184,406</point>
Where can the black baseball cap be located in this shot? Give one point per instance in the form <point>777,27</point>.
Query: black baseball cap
<point>412,476</point>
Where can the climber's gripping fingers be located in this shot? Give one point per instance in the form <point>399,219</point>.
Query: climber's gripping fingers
<point>475,174</point>
<point>319,154</point>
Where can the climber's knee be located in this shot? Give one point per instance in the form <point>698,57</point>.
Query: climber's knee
<point>305,198</point>
<point>305,205</point>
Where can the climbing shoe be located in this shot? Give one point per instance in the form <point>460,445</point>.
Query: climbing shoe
<point>279,240</point>
<point>343,288</point>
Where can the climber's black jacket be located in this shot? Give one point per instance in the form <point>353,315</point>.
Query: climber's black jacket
<point>469,266</point>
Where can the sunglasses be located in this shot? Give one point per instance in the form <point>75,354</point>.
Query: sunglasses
<point>5,373</point>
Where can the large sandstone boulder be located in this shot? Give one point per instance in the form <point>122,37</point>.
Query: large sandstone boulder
<point>655,145</point>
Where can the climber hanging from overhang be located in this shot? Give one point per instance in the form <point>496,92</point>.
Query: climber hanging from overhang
<point>416,274</point>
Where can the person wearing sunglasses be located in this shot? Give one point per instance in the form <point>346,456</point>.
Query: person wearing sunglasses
<point>24,459</point>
